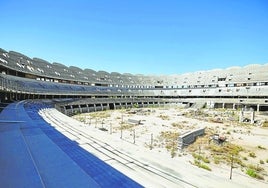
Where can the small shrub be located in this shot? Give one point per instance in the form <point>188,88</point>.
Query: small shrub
<point>261,162</point>
<point>200,165</point>
<point>205,167</point>
<point>206,160</point>
<point>135,105</point>
<point>251,172</point>
<point>256,168</point>
<point>245,158</point>
<point>178,125</point>
<point>216,161</point>
<point>173,153</point>
<point>164,117</point>
<point>228,148</point>
<point>265,124</point>
<point>254,174</point>
<point>196,156</point>
<point>261,147</point>
<point>126,126</point>
<point>199,157</point>
<point>252,154</point>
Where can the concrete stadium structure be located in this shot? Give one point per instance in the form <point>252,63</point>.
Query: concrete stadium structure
<point>73,90</point>
<point>33,78</point>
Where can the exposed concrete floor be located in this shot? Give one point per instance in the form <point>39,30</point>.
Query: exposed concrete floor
<point>154,167</point>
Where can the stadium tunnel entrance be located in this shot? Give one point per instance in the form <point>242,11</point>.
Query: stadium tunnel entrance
<point>111,106</point>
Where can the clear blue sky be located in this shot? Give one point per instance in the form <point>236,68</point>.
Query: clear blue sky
<point>138,36</point>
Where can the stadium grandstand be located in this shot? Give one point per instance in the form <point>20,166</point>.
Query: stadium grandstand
<point>38,155</point>
<point>33,78</point>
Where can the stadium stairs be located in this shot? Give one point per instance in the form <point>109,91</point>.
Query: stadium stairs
<point>34,154</point>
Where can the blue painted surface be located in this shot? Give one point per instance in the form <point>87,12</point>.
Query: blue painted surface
<point>52,159</point>
<point>16,165</point>
<point>55,167</point>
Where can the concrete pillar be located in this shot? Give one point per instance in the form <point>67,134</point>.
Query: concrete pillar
<point>258,107</point>
<point>87,107</point>
<point>72,109</point>
<point>80,109</point>
<point>234,106</point>
<point>223,105</point>
<point>252,117</point>
<point>241,116</point>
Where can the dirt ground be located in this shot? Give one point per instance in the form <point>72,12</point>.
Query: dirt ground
<point>245,145</point>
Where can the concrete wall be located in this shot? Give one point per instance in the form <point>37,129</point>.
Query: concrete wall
<point>189,137</point>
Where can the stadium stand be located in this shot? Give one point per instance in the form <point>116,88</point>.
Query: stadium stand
<point>73,90</point>
<point>46,157</point>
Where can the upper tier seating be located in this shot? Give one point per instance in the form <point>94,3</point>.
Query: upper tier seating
<point>57,71</point>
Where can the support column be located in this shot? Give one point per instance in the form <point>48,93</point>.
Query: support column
<point>252,117</point>
<point>258,107</point>
<point>234,106</point>
<point>65,111</point>
<point>241,116</point>
<point>87,108</point>
<point>223,105</point>
<point>72,109</point>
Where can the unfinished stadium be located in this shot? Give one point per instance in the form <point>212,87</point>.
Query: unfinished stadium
<point>42,147</point>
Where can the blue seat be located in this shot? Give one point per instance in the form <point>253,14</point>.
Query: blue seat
<point>37,155</point>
